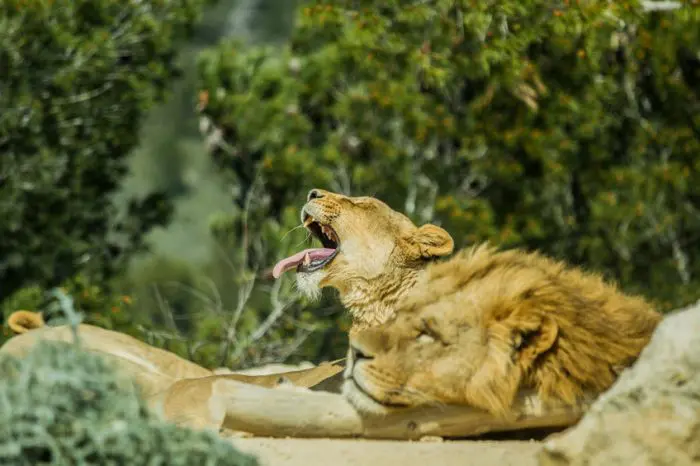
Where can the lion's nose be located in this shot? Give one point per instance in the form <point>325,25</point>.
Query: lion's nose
<point>314,194</point>
<point>358,353</point>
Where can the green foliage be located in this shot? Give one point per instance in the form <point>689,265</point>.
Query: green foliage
<point>101,306</point>
<point>65,406</point>
<point>227,313</point>
<point>78,77</point>
<point>568,126</point>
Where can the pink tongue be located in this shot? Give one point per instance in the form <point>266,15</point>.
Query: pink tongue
<point>291,262</point>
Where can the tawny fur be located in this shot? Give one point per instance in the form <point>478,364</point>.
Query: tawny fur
<point>475,329</point>
<point>480,327</point>
<point>24,321</point>
<point>382,255</point>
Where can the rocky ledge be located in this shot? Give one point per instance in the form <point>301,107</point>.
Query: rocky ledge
<point>651,415</point>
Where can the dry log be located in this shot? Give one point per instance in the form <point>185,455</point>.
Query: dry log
<point>303,413</point>
<point>198,403</point>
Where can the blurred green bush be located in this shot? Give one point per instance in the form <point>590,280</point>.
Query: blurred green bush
<point>77,79</point>
<point>571,126</point>
<point>100,306</point>
<point>63,406</point>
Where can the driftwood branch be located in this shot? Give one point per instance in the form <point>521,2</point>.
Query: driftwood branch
<point>301,413</point>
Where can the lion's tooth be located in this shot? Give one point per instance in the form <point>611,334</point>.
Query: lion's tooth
<point>309,220</point>
<point>307,259</point>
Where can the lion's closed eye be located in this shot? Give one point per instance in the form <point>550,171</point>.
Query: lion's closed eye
<point>425,338</point>
<point>428,332</point>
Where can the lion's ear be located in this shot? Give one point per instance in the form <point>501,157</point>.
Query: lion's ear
<point>429,241</point>
<point>532,335</point>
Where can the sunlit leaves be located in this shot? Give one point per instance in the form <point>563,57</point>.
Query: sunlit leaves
<point>578,119</point>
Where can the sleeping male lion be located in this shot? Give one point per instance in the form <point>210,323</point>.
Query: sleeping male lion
<point>474,329</point>
<point>485,325</point>
<point>371,254</point>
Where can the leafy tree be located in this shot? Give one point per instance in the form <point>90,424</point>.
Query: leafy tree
<point>77,79</point>
<point>568,126</point>
<point>226,313</point>
<point>185,295</point>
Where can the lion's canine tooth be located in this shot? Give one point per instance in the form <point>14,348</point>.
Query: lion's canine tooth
<point>307,259</point>
<point>326,231</point>
<point>309,220</point>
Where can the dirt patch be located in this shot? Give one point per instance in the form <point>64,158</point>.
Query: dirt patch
<point>324,452</point>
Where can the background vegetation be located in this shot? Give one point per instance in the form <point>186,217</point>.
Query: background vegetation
<point>568,126</point>
<point>77,80</point>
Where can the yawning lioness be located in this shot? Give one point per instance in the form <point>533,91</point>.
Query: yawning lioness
<point>371,254</point>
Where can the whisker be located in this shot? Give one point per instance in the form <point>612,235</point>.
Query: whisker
<point>308,235</point>
<point>382,379</point>
<point>423,397</point>
<point>291,230</point>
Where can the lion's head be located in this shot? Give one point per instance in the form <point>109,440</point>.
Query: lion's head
<point>370,252</point>
<point>484,325</point>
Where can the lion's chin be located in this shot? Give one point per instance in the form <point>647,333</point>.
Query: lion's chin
<point>362,402</point>
<point>309,283</point>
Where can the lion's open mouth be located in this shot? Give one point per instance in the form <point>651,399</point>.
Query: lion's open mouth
<point>312,259</point>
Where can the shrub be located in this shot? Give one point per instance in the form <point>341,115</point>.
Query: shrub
<point>65,406</point>
<point>100,305</point>
<point>227,314</point>
<point>77,78</point>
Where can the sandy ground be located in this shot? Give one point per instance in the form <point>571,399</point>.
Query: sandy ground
<point>325,452</point>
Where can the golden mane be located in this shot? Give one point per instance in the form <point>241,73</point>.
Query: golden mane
<point>486,324</point>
